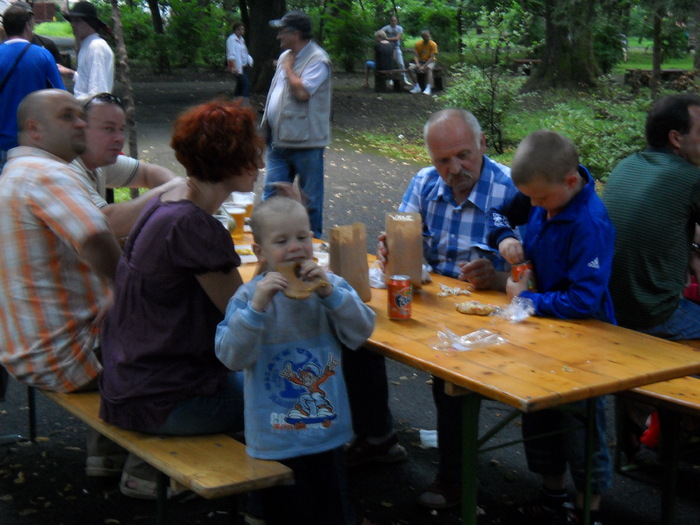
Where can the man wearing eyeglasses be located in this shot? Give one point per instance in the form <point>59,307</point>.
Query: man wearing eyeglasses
<point>102,166</point>
<point>297,114</point>
<point>59,255</point>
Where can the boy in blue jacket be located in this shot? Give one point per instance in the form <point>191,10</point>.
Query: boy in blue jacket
<point>569,240</point>
<point>296,406</point>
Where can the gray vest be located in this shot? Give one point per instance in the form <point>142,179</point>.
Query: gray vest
<point>302,124</point>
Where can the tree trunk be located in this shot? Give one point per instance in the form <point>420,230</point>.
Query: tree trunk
<point>125,79</point>
<point>696,35</point>
<point>263,44</point>
<point>163,62</point>
<point>568,59</point>
<point>658,15</point>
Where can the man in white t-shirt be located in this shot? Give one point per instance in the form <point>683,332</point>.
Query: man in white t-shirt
<point>95,72</point>
<point>102,166</point>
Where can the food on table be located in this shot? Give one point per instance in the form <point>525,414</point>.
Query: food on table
<point>476,308</point>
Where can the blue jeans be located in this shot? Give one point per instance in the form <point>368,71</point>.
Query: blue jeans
<point>283,164</point>
<point>550,455</point>
<point>242,86</point>
<point>208,415</point>
<point>684,323</point>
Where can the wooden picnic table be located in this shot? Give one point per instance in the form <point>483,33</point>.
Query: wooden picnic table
<point>544,362</point>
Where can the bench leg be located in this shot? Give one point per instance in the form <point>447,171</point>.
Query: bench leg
<point>397,83</point>
<point>669,456</point>
<point>437,81</point>
<point>162,502</point>
<point>379,84</point>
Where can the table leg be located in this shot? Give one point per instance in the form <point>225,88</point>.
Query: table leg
<point>670,456</point>
<point>590,446</point>
<point>471,405</point>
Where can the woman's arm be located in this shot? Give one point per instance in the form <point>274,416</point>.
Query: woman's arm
<point>220,286</point>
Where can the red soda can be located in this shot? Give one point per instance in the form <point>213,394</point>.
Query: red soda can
<point>518,269</point>
<point>399,297</point>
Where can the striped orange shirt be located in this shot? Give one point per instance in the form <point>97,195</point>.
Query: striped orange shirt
<point>49,296</point>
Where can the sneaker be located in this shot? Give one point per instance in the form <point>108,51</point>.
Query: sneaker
<point>407,82</point>
<point>361,451</point>
<point>440,495</point>
<point>137,488</point>
<point>575,515</point>
<point>105,466</point>
<point>416,89</point>
<point>427,91</point>
<point>547,509</point>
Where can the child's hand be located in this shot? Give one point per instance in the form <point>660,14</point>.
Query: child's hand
<point>514,289</point>
<point>310,271</point>
<point>268,286</point>
<point>511,249</point>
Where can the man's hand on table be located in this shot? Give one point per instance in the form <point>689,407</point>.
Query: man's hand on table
<point>480,273</point>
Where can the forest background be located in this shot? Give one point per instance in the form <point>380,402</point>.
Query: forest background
<point>585,47</point>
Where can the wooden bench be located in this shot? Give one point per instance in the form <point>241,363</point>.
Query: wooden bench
<point>525,65</point>
<point>672,399</point>
<point>394,75</point>
<point>642,77</point>
<point>437,79</point>
<point>212,466</point>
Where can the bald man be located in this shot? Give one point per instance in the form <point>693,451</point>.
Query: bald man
<point>59,255</point>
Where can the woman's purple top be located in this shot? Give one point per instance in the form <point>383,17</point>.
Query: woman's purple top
<point>158,339</point>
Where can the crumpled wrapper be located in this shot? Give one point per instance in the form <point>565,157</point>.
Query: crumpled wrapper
<point>448,340</point>
<point>519,309</point>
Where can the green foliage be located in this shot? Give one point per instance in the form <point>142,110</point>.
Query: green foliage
<point>196,32</point>
<point>54,29</point>
<point>488,96</point>
<point>138,32</point>
<point>606,125</point>
<point>486,88</point>
<point>607,46</point>
<point>348,37</point>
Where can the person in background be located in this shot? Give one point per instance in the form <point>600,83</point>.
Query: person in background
<point>24,68</point>
<point>178,270</point>
<point>102,166</point>
<point>383,55</point>
<point>568,239</point>
<point>296,408</point>
<point>95,72</point>
<point>297,118</point>
<point>238,59</point>
<point>394,34</point>
<point>424,62</point>
<point>453,197</point>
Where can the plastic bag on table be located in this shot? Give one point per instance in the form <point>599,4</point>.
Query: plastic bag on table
<point>377,279</point>
<point>519,309</point>
<point>448,340</point>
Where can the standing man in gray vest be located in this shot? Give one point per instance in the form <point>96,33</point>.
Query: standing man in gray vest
<point>297,114</point>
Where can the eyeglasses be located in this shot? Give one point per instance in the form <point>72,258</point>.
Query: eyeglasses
<point>107,98</point>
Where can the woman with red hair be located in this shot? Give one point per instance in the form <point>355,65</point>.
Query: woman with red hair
<point>174,279</point>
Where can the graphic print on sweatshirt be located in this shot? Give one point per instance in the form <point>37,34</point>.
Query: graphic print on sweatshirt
<point>299,393</point>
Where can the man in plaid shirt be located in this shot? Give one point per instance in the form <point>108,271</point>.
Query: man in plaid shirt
<point>453,197</point>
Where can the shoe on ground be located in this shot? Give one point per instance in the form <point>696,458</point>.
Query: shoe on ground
<point>105,466</point>
<point>547,509</point>
<point>416,89</point>
<point>360,451</point>
<point>427,91</point>
<point>440,495</point>
<point>407,83</point>
<point>137,488</point>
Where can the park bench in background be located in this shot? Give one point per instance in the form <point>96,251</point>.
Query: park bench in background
<point>673,399</point>
<point>212,466</point>
<point>392,75</point>
<point>677,77</point>
<point>437,79</point>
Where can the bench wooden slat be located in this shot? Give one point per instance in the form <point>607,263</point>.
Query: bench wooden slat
<point>212,466</point>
